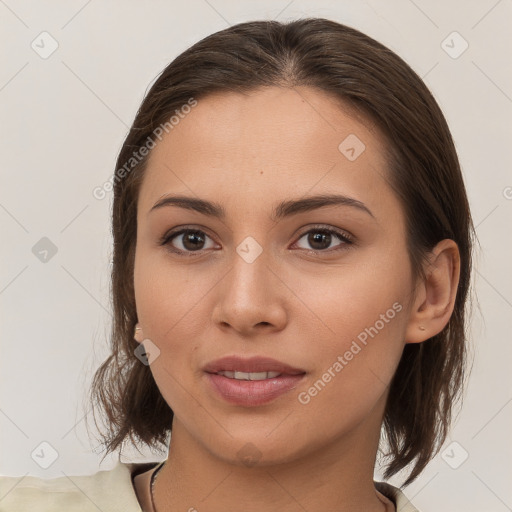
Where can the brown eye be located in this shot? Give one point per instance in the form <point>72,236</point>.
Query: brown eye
<point>321,239</point>
<point>187,241</point>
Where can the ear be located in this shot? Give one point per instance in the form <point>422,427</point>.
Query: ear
<point>138,335</point>
<point>435,294</point>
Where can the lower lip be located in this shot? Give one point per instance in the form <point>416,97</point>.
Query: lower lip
<point>252,392</point>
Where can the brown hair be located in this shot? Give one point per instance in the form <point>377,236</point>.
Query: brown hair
<point>425,173</point>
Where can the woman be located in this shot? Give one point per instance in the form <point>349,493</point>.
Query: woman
<point>292,257</point>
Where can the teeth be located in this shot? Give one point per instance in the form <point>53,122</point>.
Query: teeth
<point>249,375</point>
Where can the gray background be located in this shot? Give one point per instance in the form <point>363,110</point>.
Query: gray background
<point>64,117</point>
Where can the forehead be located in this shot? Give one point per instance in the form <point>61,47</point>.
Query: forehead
<point>265,142</point>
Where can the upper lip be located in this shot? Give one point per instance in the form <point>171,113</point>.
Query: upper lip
<point>250,365</point>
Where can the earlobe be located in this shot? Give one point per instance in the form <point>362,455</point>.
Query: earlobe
<point>435,298</point>
<point>137,334</point>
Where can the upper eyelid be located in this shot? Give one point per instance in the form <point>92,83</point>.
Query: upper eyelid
<point>175,232</point>
<point>331,229</point>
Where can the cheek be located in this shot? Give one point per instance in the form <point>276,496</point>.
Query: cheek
<point>358,342</point>
<point>167,307</point>
<point>165,296</point>
<point>346,300</point>
<point>365,331</point>
<point>172,308</point>
<point>355,363</point>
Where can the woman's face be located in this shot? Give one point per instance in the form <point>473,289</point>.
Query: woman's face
<point>270,281</point>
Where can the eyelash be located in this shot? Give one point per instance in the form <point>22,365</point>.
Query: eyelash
<point>346,238</point>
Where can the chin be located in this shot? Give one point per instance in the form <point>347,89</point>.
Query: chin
<point>258,450</point>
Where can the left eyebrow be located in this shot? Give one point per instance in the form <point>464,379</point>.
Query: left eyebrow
<point>280,211</point>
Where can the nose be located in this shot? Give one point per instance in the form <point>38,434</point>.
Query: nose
<point>251,298</point>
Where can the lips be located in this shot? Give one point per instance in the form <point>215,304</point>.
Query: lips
<point>251,382</point>
<point>252,365</point>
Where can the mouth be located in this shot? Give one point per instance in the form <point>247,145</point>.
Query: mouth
<point>251,382</point>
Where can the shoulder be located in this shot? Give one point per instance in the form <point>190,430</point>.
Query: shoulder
<point>110,490</point>
<point>401,501</point>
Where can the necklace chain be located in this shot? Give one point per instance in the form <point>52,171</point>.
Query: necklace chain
<point>152,485</point>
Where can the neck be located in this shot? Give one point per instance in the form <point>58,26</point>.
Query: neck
<point>336,477</point>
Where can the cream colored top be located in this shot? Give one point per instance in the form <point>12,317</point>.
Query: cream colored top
<point>107,490</point>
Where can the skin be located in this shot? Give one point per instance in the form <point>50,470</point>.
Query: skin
<point>248,152</point>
